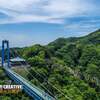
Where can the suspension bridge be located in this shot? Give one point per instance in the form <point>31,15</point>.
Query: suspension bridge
<point>32,90</point>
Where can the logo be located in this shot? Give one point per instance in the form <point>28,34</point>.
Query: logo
<point>7,89</point>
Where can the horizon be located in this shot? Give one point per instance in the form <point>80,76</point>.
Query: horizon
<point>29,22</point>
<point>49,42</point>
<point>52,41</point>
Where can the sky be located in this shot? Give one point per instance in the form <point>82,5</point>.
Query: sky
<point>27,22</point>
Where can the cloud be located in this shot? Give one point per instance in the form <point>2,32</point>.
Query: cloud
<point>70,18</point>
<point>47,11</point>
<point>17,5</point>
<point>65,8</point>
<point>82,27</point>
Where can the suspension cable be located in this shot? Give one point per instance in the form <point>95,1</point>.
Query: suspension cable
<point>67,97</point>
<point>34,77</point>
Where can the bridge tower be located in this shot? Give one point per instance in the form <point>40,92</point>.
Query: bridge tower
<point>5,42</point>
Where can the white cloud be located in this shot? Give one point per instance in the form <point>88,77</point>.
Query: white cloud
<point>65,8</point>
<point>49,11</point>
<point>82,28</point>
<point>17,5</point>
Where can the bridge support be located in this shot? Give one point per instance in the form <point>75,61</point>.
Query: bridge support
<point>5,42</point>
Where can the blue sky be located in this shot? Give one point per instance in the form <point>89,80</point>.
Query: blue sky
<point>27,22</point>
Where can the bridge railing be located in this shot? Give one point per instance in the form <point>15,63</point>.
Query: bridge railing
<point>32,87</point>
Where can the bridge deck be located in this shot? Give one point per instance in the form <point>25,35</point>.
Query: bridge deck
<point>29,88</point>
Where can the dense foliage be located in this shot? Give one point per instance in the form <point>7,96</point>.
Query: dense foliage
<point>68,68</point>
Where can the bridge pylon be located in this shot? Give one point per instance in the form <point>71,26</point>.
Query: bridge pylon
<point>5,42</point>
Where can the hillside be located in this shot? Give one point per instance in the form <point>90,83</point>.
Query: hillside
<point>68,67</point>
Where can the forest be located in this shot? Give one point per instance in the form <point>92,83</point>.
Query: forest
<point>69,68</point>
